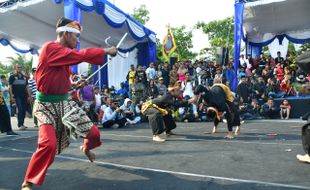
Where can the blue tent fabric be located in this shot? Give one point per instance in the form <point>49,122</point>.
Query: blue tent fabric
<point>237,35</point>
<point>6,42</point>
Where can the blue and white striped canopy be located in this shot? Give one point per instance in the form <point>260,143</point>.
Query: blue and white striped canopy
<point>33,22</point>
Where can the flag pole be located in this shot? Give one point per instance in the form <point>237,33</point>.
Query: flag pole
<point>117,46</point>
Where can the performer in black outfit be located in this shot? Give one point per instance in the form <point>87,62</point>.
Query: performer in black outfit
<point>158,114</point>
<point>304,62</point>
<point>220,99</point>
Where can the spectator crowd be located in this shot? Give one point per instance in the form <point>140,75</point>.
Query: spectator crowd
<point>260,81</point>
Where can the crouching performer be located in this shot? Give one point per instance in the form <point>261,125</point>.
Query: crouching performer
<point>219,100</point>
<point>60,118</point>
<point>158,113</point>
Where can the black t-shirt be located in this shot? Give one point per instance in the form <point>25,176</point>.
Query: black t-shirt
<point>19,83</point>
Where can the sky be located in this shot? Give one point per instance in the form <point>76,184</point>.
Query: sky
<point>173,12</point>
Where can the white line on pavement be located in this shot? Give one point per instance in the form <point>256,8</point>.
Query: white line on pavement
<point>197,139</point>
<point>171,172</point>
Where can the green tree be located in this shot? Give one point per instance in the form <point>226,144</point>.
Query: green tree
<point>22,60</point>
<point>183,40</point>
<point>220,32</point>
<point>141,14</point>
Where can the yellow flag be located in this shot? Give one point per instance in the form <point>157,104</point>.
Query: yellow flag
<point>169,45</point>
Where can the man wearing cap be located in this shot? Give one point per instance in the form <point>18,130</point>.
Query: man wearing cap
<point>160,119</point>
<point>219,99</point>
<point>58,117</point>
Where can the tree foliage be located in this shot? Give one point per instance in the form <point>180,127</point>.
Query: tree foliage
<point>220,32</point>
<point>141,14</point>
<point>20,59</point>
<point>183,40</point>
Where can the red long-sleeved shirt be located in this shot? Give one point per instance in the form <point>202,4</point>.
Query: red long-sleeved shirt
<point>53,71</point>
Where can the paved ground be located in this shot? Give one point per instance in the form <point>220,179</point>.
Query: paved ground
<point>262,157</point>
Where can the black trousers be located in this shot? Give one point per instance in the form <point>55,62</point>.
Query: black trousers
<point>158,122</point>
<point>120,122</point>
<point>5,119</point>
<point>305,135</point>
<point>232,116</point>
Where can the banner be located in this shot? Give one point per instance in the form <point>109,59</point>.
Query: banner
<point>169,45</point>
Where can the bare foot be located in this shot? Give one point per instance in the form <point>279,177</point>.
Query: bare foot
<point>230,135</point>
<point>213,130</point>
<point>303,158</point>
<point>237,131</point>
<point>90,155</point>
<point>26,186</point>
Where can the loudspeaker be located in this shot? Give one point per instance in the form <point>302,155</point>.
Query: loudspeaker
<point>173,60</point>
<point>222,56</point>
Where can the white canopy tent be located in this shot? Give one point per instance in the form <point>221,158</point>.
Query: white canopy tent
<point>33,22</point>
<point>260,22</point>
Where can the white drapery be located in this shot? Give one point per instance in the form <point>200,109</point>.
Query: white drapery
<point>274,47</point>
<point>119,67</point>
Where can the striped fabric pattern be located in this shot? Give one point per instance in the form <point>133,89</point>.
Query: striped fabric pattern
<point>33,87</point>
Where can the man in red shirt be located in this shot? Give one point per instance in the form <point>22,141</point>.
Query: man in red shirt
<point>60,118</point>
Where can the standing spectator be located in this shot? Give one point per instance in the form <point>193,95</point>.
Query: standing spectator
<point>173,75</point>
<point>162,88</point>
<point>131,77</point>
<point>242,90</point>
<point>279,59</point>
<point>97,99</point>
<point>5,119</point>
<point>159,72</point>
<point>5,92</point>
<point>243,62</point>
<point>151,91</point>
<point>150,72</point>
<point>230,74</point>
<point>165,74</point>
<point>181,72</point>
<point>33,90</point>
<point>269,109</point>
<point>137,91</point>
<point>19,94</point>
<point>285,109</point>
<point>141,75</point>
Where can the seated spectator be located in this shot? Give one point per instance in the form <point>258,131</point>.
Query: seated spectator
<point>272,89</point>
<point>285,109</point>
<point>270,110</point>
<point>129,113</point>
<point>286,86</point>
<point>301,76</point>
<point>151,91</point>
<point>259,89</point>
<point>250,111</point>
<point>188,114</point>
<point>203,111</point>
<point>112,115</point>
<point>162,89</point>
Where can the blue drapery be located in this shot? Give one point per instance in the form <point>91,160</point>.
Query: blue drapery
<point>103,73</point>
<point>6,42</point>
<point>239,7</point>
